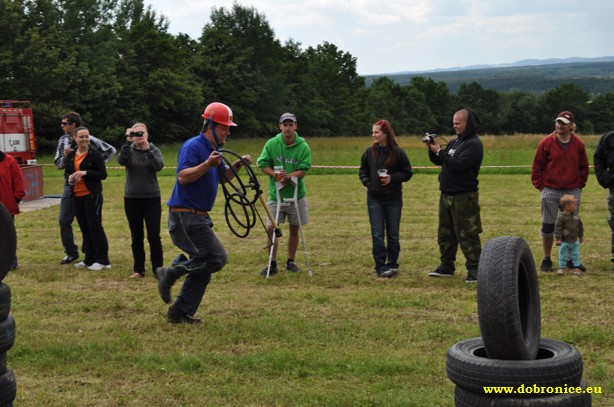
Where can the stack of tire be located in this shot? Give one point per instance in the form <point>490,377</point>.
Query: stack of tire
<point>8,386</point>
<point>537,372</point>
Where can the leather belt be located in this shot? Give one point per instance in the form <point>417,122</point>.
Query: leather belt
<point>189,210</point>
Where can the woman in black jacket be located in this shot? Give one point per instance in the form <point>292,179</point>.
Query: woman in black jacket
<point>85,171</point>
<point>383,169</point>
<point>142,203</point>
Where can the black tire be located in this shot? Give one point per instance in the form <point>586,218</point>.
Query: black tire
<point>465,398</point>
<point>2,363</point>
<point>557,364</point>
<point>5,301</point>
<point>9,241</point>
<point>7,333</point>
<point>508,299</point>
<point>8,388</point>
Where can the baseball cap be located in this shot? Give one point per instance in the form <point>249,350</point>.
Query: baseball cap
<point>287,116</point>
<point>566,117</point>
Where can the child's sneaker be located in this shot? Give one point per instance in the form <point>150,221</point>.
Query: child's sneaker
<point>561,271</point>
<point>577,271</point>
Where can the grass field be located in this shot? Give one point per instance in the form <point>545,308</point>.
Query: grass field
<point>339,338</point>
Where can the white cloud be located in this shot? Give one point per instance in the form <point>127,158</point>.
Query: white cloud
<point>399,35</point>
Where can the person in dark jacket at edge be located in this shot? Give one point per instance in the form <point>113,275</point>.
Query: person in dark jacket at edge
<point>459,208</point>
<point>383,169</point>
<point>604,171</point>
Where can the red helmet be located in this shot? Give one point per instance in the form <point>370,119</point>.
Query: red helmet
<point>219,113</point>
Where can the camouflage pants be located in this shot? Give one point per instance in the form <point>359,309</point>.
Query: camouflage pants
<point>459,223</point>
<point>611,218</point>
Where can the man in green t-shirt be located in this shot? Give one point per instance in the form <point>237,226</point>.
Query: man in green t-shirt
<point>285,156</point>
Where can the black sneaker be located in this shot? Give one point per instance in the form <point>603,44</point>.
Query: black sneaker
<point>69,259</point>
<point>546,264</point>
<point>441,272</point>
<point>391,272</point>
<point>471,279</point>
<point>165,282</point>
<point>176,316</point>
<point>272,272</point>
<point>291,266</point>
<point>571,266</point>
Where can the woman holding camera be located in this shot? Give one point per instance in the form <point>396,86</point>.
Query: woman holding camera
<point>142,202</point>
<point>383,169</point>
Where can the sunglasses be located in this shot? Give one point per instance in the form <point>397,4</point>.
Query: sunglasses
<point>137,133</point>
<point>67,123</point>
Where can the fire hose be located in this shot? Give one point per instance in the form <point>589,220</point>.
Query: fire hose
<point>241,196</point>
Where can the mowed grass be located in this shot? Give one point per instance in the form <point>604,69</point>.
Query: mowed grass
<point>339,338</point>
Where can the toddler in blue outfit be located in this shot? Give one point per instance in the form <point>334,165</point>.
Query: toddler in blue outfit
<point>569,233</point>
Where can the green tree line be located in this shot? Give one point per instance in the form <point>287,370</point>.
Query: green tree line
<point>115,62</point>
<point>594,77</point>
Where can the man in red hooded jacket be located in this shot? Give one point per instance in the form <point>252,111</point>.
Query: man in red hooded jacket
<point>12,188</point>
<point>560,167</point>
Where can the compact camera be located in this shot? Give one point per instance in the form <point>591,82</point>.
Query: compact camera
<point>429,138</point>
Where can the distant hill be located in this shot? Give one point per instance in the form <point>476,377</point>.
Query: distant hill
<point>594,75</point>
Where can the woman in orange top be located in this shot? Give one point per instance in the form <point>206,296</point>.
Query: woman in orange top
<point>85,171</point>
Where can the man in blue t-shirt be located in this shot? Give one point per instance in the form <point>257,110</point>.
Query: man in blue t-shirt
<point>189,224</point>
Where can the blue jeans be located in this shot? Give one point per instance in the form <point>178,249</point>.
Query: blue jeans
<point>65,218</point>
<point>385,219</point>
<point>192,233</point>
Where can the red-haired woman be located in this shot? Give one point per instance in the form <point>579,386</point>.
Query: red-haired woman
<point>384,168</point>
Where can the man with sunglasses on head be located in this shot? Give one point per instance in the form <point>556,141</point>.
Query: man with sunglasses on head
<point>70,122</point>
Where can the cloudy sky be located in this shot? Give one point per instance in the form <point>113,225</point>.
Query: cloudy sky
<point>410,35</point>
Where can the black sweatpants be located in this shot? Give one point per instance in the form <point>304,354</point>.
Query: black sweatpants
<point>148,211</point>
<point>88,211</point>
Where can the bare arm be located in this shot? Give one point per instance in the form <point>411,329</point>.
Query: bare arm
<point>230,174</point>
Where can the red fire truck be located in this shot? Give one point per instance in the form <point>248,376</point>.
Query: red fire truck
<point>17,130</point>
<point>17,138</point>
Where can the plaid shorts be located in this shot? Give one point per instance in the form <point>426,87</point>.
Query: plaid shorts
<point>550,199</point>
